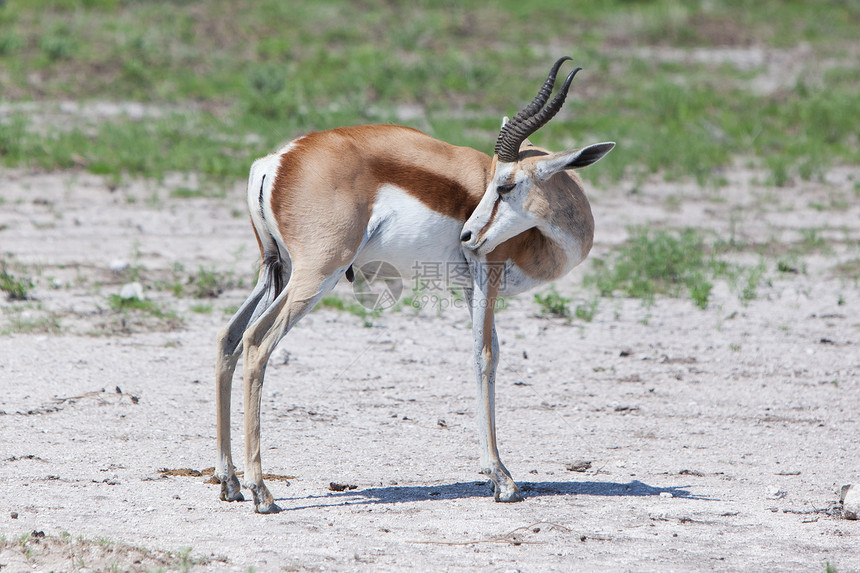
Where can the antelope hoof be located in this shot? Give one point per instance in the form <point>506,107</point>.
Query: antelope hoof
<point>508,495</point>
<point>506,491</point>
<point>230,489</point>
<point>266,509</point>
<point>263,500</point>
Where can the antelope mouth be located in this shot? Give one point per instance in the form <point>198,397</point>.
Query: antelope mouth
<point>477,249</point>
<point>470,242</point>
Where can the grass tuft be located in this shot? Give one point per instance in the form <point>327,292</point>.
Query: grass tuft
<point>553,304</point>
<point>657,262</point>
<point>16,288</point>
<point>122,304</point>
<point>337,302</point>
<point>675,264</point>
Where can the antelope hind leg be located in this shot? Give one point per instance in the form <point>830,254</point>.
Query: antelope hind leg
<point>229,348</point>
<point>259,342</point>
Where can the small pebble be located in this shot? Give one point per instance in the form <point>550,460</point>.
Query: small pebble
<point>774,492</point>
<point>579,466</point>
<point>131,291</point>
<point>14,515</point>
<point>851,502</point>
<point>334,486</point>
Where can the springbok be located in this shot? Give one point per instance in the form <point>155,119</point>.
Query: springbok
<point>333,199</point>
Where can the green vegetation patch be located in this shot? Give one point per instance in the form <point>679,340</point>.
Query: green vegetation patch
<point>206,283</point>
<point>670,263</point>
<point>136,315</point>
<point>552,303</point>
<point>224,82</point>
<point>16,288</point>
<point>64,552</point>
<point>848,270</point>
<point>340,303</point>
<point>30,321</point>
<point>123,304</point>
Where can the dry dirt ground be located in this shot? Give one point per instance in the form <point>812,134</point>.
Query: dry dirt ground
<point>717,438</point>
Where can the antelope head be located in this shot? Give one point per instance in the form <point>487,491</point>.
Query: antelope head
<point>530,186</point>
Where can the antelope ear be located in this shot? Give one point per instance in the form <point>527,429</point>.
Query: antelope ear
<point>574,159</point>
<point>505,120</point>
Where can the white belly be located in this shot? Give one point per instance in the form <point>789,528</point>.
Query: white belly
<point>419,242</point>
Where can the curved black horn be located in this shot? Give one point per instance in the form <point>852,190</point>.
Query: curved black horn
<point>543,95</point>
<point>532,124</point>
<point>535,106</point>
<point>532,117</point>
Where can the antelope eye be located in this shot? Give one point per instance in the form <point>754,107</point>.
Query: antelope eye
<point>506,188</point>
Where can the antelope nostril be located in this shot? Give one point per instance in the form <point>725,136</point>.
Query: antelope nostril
<point>465,236</point>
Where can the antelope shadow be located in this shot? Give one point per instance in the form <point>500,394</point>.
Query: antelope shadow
<point>463,490</point>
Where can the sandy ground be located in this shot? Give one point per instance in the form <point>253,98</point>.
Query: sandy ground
<point>717,439</point>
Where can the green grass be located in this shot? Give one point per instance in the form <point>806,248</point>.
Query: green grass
<point>43,325</point>
<point>136,315</point>
<point>30,319</point>
<point>16,288</point>
<point>208,283</point>
<point>811,241</point>
<point>849,270</point>
<point>656,262</point>
<point>337,302</point>
<point>186,193</point>
<point>751,280</point>
<point>230,80</point>
<point>791,265</point>
<point>587,310</point>
<point>201,308</point>
<point>671,263</point>
<point>553,304</point>
<point>121,304</point>
<point>42,551</point>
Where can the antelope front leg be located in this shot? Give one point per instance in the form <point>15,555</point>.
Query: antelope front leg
<point>485,289</point>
